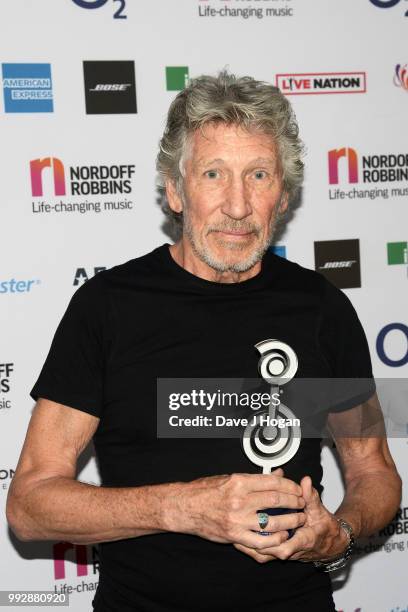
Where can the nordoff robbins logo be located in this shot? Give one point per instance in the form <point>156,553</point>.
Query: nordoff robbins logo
<point>329,265</point>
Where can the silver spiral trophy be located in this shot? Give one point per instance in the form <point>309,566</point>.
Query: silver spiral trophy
<point>264,443</point>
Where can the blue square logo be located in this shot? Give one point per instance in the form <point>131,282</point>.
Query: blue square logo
<point>279,250</point>
<point>27,88</point>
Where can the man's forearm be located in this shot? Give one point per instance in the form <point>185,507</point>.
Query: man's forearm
<point>371,501</point>
<point>60,508</point>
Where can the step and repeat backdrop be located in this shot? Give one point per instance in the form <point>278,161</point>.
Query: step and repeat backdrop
<point>86,85</point>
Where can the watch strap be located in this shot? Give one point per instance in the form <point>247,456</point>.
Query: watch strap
<point>342,560</point>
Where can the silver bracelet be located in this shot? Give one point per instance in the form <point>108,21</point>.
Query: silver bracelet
<point>339,562</point>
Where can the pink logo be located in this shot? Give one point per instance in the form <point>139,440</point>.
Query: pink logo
<point>81,559</point>
<point>401,76</point>
<point>37,166</point>
<point>352,164</point>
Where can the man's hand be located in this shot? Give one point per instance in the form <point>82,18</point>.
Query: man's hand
<point>320,537</point>
<point>223,508</point>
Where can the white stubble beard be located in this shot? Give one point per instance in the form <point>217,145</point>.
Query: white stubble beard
<point>205,255</point>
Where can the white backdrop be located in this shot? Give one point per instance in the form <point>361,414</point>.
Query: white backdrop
<point>261,38</point>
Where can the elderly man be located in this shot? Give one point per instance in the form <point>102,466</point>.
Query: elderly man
<point>177,520</point>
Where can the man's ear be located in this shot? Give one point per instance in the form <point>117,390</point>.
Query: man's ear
<point>284,202</point>
<point>173,197</point>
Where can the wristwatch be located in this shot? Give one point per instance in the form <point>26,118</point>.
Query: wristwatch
<point>339,562</point>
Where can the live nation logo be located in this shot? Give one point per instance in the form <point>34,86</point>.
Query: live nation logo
<point>292,84</point>
<point>339,262</point>
<point>91,188</point>
<point>110,87</point>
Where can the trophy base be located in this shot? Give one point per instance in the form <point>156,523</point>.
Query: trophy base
<point>274,512</point>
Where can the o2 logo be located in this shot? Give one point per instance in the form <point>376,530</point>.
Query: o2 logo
<point>386,4</point>
<point>95,4</point>
<point>393,363</point>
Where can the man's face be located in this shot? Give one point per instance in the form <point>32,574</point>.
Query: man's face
<point>232,191</point>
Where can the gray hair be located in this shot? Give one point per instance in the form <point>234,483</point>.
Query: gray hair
<point>226,98</point>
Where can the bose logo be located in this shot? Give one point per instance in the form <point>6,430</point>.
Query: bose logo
<point>111,87</point>
<point>337,264</point>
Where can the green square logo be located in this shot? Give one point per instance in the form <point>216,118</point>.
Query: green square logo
<point>176,77</point>
<point>397,253</point>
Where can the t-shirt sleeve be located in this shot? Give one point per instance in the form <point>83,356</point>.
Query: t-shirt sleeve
<point>73,372</point>
<point>343,342</point>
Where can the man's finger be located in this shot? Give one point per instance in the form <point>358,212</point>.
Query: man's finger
<point>281,522</point>
<point>306,484</point>
<point>260,557</point>
<point>274,499</point>
<point>300,542</point>
<point>260,542</point>
<point>299,556</point>
<point>269,482</point>
<point>310,495</point>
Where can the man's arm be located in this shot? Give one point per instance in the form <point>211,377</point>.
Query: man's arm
<point>45,502</point>
<point>373,485</point>
<point>372,490</point>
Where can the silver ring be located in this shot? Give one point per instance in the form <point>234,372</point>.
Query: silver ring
<point>263,519</point>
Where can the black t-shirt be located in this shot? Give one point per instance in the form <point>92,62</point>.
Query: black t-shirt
<point>151,318</point>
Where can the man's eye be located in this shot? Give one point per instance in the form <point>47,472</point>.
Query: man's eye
<point>211,174</point>
<point>260,174</point>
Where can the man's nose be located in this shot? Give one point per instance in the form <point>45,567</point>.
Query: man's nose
<point>236,202</point>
